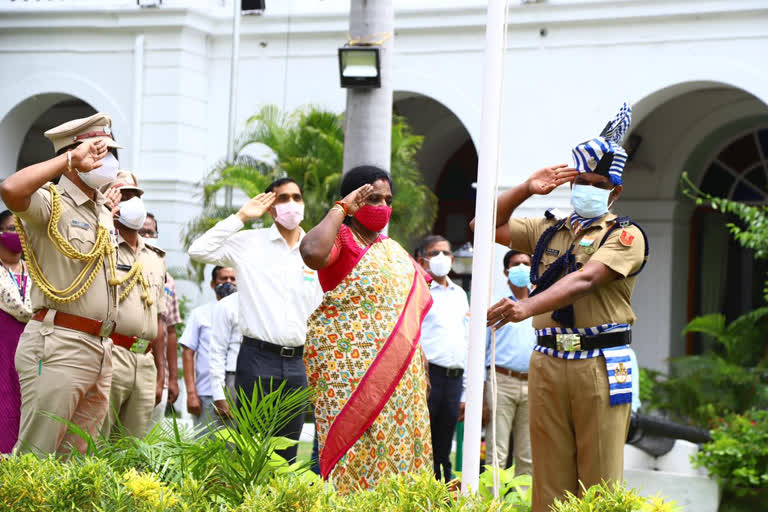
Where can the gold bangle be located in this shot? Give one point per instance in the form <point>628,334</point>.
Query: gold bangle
<point>69,161</point>
<point>339,208</point>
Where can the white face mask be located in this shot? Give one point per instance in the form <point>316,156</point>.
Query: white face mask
<point>104,175</point>
<point>289,214</point>
<point>440,265</point>
<point>133,213</point>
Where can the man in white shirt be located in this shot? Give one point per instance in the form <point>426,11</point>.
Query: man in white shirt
<point>196,342</point>
<point>277,291</point>
<point>444,341</point>
<point>225,346</point>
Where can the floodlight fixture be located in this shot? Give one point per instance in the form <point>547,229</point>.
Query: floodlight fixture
<point>360,67</point>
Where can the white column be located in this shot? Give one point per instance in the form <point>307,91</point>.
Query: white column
<point>138,101</point>
<point>368,119</point>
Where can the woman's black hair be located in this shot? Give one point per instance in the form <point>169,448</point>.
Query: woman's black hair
<point>363,175</point>
<point>4,215</point>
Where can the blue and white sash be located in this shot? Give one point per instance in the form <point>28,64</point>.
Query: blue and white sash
<point>618,363</point>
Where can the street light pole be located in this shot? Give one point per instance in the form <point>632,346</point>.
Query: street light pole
<point>233,73</point>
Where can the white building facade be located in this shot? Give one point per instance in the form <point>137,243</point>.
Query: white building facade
<point>694,71</point>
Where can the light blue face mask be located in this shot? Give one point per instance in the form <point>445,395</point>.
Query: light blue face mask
<point>589,201</point>
<point>519,275</point>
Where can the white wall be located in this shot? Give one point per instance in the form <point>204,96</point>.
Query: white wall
<point>570,65</point>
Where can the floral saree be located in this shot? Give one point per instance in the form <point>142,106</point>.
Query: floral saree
<point>364,363</point>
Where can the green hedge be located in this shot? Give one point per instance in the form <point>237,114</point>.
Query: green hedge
<point>90,484</point>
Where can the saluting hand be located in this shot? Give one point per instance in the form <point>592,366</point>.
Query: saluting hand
<point>356,199</point>
<point>256,207</point>
<point>86,156</point>
<point>505,311</point>
<point>113,197</point>
<point>547,179</point>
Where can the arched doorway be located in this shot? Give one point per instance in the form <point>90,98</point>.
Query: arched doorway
<point>36,147</point>
<point>685,128</point>
<point>447,159</point>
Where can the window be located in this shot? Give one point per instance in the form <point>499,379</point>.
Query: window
<point>740,171</point>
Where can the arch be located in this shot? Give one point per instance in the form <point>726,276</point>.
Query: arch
<point>23,101</point>
<point>443,91</point>
<point>447,159</point>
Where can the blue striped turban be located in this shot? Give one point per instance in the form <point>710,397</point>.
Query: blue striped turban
<point>604,154</point>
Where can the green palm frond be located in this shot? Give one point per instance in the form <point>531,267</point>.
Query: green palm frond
<point>308,146</point>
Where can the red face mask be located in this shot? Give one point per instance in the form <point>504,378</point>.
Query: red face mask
<point>374,217</point>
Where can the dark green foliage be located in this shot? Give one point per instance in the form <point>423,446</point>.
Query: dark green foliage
<point>731,378</point>
<point>738,454</point>
<point>308,146</point>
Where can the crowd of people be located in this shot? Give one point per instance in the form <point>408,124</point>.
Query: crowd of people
<point>88,319</point>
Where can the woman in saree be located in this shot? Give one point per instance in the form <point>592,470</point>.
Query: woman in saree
<point>362,353</point>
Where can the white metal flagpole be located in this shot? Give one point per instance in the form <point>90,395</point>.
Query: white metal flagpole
<point>488,162</point>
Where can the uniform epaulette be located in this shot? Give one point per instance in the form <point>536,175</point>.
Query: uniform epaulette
<point>158,250</point>
<point>624,222</point>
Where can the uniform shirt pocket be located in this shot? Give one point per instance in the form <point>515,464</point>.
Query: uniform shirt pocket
<point>81,235</point>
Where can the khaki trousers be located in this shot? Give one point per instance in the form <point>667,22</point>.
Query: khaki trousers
<point>64,373</point>
<point>576,436</point>
<point>511,417</point>
<point>132,396</point>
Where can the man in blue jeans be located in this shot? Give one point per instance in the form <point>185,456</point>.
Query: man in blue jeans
<point>444,341</point>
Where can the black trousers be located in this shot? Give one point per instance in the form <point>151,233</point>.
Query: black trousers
<point>443,406</point>
<point>255,366</point>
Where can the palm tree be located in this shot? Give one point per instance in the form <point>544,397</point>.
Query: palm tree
<point>308,146</point>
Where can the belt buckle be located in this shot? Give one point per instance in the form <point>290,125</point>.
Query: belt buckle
<point>452,372</point>
<point>107,326</point>
<point>287,351</point>
<point>568,342</point>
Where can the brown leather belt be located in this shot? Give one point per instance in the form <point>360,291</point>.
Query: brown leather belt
<point>123,341</point>
<point>74,322</point>
<point>511,373</point>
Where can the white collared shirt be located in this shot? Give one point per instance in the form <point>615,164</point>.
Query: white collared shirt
<point>197,337</point>
<point>225,342</point>
<point>277,291</point>
<point>445,330</point>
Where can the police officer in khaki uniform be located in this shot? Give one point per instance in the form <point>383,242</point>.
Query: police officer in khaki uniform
<point>142,302</point>
<point>64,357</point>
<point>583,267</point>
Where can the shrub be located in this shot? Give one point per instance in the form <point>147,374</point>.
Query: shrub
<point>612,498</point>
<point>738,453</point>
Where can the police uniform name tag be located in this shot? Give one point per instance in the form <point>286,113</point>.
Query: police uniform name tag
<point>80,224</point>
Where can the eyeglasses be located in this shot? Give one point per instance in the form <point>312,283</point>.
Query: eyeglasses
<point>148,233</point>
<point>432,254</point>
<point>10,229</point>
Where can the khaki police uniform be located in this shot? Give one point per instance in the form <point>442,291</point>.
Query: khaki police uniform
<point>64,356</point>
<point>570,412</point>
<point>134,375</point>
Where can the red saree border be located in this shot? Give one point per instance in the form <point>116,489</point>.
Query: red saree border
<point>367,401</point>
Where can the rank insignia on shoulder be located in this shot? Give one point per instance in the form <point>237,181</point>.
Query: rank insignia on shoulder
<point>626,239</point>
<point>552,252</point>
<point>80,224</point>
